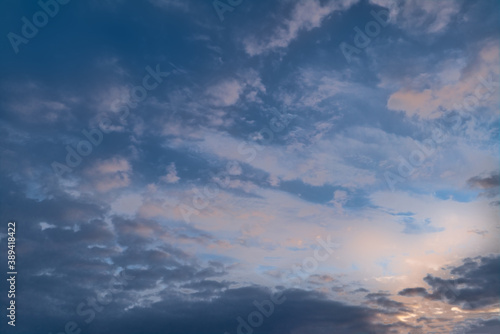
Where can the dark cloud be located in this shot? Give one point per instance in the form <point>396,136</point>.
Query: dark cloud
<point>485,327</point>
<point>485,182</point>
<point>489,184</point>
<point>478,232</point>
<point>301,311</point>
<point>79,258</point>
<point>411,292</point>
<point>475,284</point>
<point>214,308</point>
<point>381,299</point>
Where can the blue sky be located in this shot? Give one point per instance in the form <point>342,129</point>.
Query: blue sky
<point>343,154</point>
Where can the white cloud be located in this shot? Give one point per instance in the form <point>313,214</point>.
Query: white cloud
<point>318,165</point>
<point>225,93</point>
<point>321,86</point>
<point>273,180</point>
<point>340,197</point>
<point>273,221</point>
<point>229,91</point>
<point>44,225</point>
<point>171,176</point>
<point>449,91</point>
<point>319,89</point>
<point>127,204</point>
<point>306,15</point>
<point>427,16</point>
<point>33,106</point>
<point>109,174</point>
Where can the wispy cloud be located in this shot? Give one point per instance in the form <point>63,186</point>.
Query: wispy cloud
<point>305,16</point>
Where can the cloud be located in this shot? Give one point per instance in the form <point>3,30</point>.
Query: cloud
<point>490,187</point>
<point>340,198</point>
<point>109,174</point>
<point>273,180</point>
<point>33,103</point>
<point>171,176</point>
<point>314,166</point>
<point>479,232</point>
<point>486,182</point>
<point>225,93</point>
<point>300,312</point>
<point>490,184</point>
<point>305,16</point>
<point>315,86</point>
<point>44,225</point>
<point>246,87</point>
<point>421,17</point>
<point>475,284</point>
<point>381,300</point>
<point>491,326</point>
<point>436,94</point>
<point>119,211</point>
<point>412,292</point>
<point>170,289</point>
<point>127,204</point>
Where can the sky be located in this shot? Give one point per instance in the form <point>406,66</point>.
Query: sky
<point>237,166</point>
